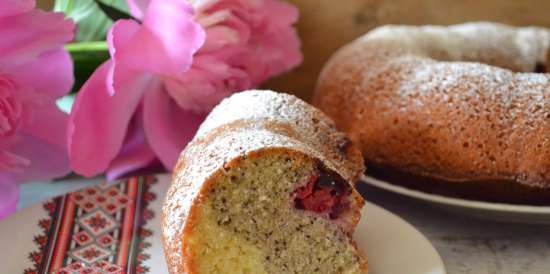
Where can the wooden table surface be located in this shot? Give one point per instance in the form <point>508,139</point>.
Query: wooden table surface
<point>466,245</point>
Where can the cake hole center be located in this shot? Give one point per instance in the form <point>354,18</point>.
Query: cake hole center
<point>540,68</point>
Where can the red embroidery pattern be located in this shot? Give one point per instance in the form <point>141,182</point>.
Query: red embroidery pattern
<point>92,231</point>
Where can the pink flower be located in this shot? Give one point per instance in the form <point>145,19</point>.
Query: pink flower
<point>144,104</point>
<point>35,70</point>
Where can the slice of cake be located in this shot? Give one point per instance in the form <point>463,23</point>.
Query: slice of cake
<point>266,186</point>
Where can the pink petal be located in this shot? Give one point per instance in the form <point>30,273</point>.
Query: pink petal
<point>9,195</point>
<point>274,44</point>
<point>281,37</point>
<point>218,37</point>
<point>51,73</point>
<point>31,34</point>
<point>48,124</point>
<point>138,7</point>
<point>278,51</point>
<point>206,83</point>
<point>131,158</point>
<point>40,143</point>
<point>232,30</point>
<point>164,44</point>
<point>135,153</point>
<point>119,36</point>
<point>11,162</point>
<point>98,121</point>
<point>12,7</point>
<point>168,128</point>
<point>281,12</point>
<point>47,161</point>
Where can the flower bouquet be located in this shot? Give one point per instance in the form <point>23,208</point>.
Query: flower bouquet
<point>143,75</point>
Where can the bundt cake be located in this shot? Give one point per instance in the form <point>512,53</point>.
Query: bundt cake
<point>266,186</point>
<point>461,110</point>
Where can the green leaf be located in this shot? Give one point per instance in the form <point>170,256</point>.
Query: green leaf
<point>92,22</point>
<point>113,13</point>
<point>87,57</point>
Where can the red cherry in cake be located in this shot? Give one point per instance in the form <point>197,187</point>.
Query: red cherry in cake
<point>322,194</point>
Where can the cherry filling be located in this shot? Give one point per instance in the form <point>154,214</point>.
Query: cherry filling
<point>322,194</point>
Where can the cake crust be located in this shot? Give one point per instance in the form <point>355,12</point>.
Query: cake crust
<point>280,123</point>
<point>458,103</point>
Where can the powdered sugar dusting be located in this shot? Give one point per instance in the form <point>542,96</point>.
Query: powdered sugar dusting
<point>264,110</point>
<point>493,87</point>
<point>518,49</point>
<point>458,102</point>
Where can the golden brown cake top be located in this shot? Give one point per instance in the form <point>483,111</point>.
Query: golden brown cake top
<point>432,100</point>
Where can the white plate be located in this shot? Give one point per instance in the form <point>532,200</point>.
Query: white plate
<point>71,234</point>
<point>393,246</point>
<point>501,212</point>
